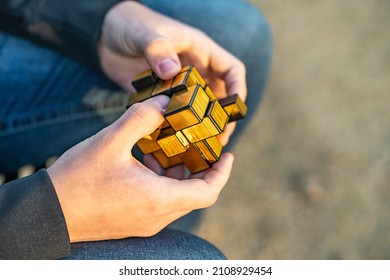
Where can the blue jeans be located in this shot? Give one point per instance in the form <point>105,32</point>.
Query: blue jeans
<point>169,244</point>
<point>50,102</point>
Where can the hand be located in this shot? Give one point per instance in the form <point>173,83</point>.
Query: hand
<point>135,38</point>
<point>105,193</point>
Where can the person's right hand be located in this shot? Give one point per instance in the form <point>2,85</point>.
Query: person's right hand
<point>105,193</point>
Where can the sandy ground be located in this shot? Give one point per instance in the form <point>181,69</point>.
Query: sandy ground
<point>311,177</point>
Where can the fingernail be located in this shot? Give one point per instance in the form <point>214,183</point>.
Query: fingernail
<point>167,66</point>
<point>162,101</point>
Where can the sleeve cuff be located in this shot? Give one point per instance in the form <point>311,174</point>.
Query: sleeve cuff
<point>32,225</point>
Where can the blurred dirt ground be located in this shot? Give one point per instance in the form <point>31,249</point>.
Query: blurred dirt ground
<point>311,177</point>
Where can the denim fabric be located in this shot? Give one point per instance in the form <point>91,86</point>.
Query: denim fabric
<point>50,102</point>
<point>167,245</point>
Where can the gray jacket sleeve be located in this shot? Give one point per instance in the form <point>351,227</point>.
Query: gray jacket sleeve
<point>32,225</point>
<point>70,26</point>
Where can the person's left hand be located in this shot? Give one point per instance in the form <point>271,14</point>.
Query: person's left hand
<point>135,38</point>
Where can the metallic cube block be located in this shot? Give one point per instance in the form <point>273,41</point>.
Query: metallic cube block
<point>210,148</point>
<point>166,162</point>
<point>148,144</point>
<point>234,107</point>
<point>194,160</point>
<point>140,96</point>
<point>213,123</point>
<point>187,108</point>
<point>144,79</point>
<point>171,142</point>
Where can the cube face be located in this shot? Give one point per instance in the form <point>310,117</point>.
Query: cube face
<point>209,93</point>
<point>162,87</point>
<point>166,162</point>
<point>187,108</point>
<point>194,160</point>
<point>140,96</point>
<point>165,124</point>
<point>234,107</point>
<point>211,149</point>
<point>148,144</point>
<point>172,143</point>
<point>144,79</point>
<point>187,77</point>
<point>193,119</point>
<point>218,115</point>
<point>199,132</point>
<point>213,124</point>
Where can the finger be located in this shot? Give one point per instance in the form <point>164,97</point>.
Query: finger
<point>203,189</point>
<point>227,133</point>
<point>151,163</point>
<point>161,56</point>
<point>235,79</point>
<point>176,172</point>
<point>229,69</point>
<point>140,120</point>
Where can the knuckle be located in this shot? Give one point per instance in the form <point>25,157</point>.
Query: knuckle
<point>200,33</point>
<point>139,113</point>
<point>241,66</point>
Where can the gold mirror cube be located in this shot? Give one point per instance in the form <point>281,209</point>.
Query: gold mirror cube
<point>193,119</point>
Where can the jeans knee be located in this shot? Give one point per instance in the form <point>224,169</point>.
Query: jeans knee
<point>250,31</point>
<point>167,245</point>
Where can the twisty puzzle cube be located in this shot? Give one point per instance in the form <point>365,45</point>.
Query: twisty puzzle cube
<point>193,119</point>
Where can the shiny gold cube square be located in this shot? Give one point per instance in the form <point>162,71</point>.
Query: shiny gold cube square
<point>187,108</point>
<point>194,160</point>
<point>165,124</point>
<point>234,107</point>
<point>148,144</point>
<point>188,77</point>
<point>171,142</point>
<point>140,96</point>
<point>144,79</point>
<point>165,161</point>
<point>213,123</point>
<point>210,148</point>
<point>162,87</point>
<point>209,93</point>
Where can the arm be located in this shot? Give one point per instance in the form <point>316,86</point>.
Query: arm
<point>101,192</point>
<point>32,225</point>
<point>105,193</point>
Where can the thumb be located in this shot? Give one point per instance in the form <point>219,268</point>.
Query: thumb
<point>140,120</point>
<point>162,57</point>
